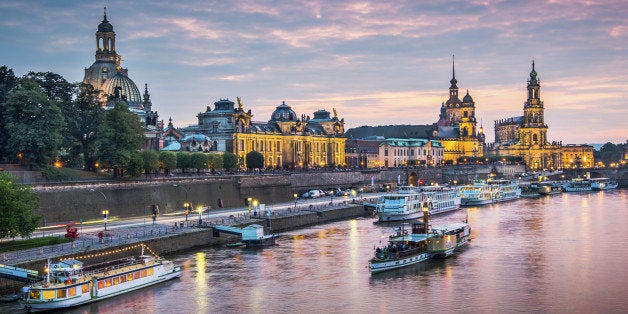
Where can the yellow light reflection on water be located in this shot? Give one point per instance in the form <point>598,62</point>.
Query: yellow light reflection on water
<point>201,282</point>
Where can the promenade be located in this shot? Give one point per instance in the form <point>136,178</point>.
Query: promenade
<point>141,229</point>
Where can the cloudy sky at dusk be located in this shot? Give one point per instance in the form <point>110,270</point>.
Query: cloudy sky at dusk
<point>376,62</point>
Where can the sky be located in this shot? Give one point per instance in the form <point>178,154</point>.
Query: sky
<point>375,62</point>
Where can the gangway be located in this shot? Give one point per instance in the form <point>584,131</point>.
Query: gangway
<point>228,229</point>
<point>18,274</point>
<point>252,235</point>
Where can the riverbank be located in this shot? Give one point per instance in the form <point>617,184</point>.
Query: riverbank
<point>168,241</point>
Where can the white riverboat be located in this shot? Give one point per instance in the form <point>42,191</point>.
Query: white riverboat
<point>549,188</point>
<point>422,243</point>
<point>598,184</point>
<point>577,185</point>
<point>69,284</point>
<point>492,191</point>
<point>407,202</point>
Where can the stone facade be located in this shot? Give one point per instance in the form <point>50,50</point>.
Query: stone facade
<point>526,136</point>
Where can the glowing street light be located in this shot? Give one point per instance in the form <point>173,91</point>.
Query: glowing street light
<point>200,214</point>
<point>295,199</point>
<point>105,214</point>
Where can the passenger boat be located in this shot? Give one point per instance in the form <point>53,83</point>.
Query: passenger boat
<point>69,284</point>
<point>406,202</point>
<point>440,199</point>
<point>405,249</point>
<point>549,188</point>
<point>577,185</point>
<point>598,184</point>
<point>491,191</point>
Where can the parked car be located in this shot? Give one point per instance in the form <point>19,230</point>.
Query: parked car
<point>313,194</point>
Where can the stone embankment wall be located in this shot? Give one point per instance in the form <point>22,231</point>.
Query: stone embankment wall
<point>64,203</point>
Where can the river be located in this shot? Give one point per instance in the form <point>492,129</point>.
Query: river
<point>559,254</point>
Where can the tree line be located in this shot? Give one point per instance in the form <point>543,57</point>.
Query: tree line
<point>47,120</point>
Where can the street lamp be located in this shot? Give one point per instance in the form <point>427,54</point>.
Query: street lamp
<point>255,203</point>
<point>187,210</point>
<point>105,213</point>
<point>295,199</point>
<point>200,216</point>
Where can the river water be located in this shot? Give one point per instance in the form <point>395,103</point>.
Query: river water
<point>566,253</point>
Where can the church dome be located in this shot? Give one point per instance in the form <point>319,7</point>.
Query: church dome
<point>283,113</point>
<point>467,98</point>
<point>105,26</point>
<point>128,89</point>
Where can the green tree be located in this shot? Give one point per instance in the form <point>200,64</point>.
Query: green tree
<point>198,160</point>
<point>17,203</point>
<point>229,160</point>
<point>609,153</point>
<point>184,161</point>
<point>167,161</point>
<point>8,81</point>
<point>35,123</point>
<point>121,135</point>
<point>54,86</point>
<point>136,164</point>
<point>84,119</point>
<point>254,160</point>
<point>151,161</point>
<point>214,161</point>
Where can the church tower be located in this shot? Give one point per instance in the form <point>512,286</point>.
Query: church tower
<point>452,105</point>
<point>533,130</point>
<point>105,41</point>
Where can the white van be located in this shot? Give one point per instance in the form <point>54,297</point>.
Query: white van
<point>312,194</point>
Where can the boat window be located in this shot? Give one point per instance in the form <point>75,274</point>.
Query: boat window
<point>150,271</point>
<point>85,288</point>
<point>71,291</point>
<point>108,282</point>
<point>143,273</point>
<point>129,276</point>
<point>101,284</point>
<point>48,294</point>
<point>136,275</point>
<point>115,280</point>
<point>61,293</point>
<point>122,278</point>
<point>35,294</point>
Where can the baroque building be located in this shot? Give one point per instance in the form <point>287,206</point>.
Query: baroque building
<point>577,156</point>
<point>455,132</point>
<point>526,136</point>
<point>286,140</point>
<point>107,75</point>
<point>456,128</point>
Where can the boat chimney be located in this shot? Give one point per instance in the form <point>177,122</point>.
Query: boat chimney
<point>426,212</point>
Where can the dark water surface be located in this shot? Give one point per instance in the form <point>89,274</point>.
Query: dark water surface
<point>566,253</point>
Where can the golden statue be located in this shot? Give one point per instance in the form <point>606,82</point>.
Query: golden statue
<point>118,61</point>
<point>335,113</point>
<point>239,103</point>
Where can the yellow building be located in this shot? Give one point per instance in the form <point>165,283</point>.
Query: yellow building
<point>456,128</point>
<point>285,141</point>
<point>526,136</point>
<point>577,156</point>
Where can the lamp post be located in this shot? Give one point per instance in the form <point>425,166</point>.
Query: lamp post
<point>187,210</point>
<point>255,203</point>
<point>200,214</point>
<point>105,213</point>
<point>295,200</point>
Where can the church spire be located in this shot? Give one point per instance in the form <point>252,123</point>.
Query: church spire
<point>104,19</point>
<point>453,72</point>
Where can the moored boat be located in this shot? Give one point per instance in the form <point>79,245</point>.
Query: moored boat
<point>422,243</point>
<point>406,202</point>
<point>492,191</point>
<point>577,185</point>
<point>68,283</point>
<point>599,184</point>
<point>549,188</point>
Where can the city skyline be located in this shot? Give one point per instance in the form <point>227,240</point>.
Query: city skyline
<point>376,63</point>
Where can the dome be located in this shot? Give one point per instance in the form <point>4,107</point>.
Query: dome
<point>283,113</point>
<point>321,115</point>
<point>128,89</point>
<point>104,26</point>
<point>467,98</point>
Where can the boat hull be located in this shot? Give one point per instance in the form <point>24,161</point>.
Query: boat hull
<point>378,266</point>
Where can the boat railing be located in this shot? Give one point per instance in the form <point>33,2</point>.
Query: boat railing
<point>113,268</point>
